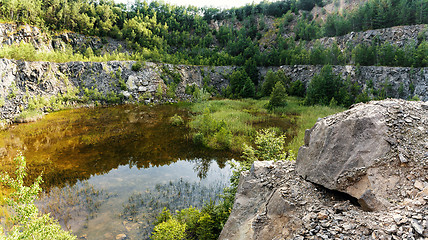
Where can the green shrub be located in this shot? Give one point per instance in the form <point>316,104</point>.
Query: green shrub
<point>172,229</point>
<point>159,91</point>
<point>190,89</point>
<point>278,97</point>
<point>164,216</point>
<point>271,79</point>
<point>297,88</point>
<point>205,229</point>
<point>27,222</point>
<point>136,66</point>
<point>190,216</point>
<point>248,90</point>
<point>176,120</point>
<point>200,95</point>
<point>415,98</point>
<point>269,145</point>
<point>223,138</point>
<point>122,84</point>
<point>323,87</point>
<point>198,139</point>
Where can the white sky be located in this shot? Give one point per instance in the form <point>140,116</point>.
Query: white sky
<point>203,3</point>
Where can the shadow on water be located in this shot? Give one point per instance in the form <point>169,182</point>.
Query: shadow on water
<point>74,145</point>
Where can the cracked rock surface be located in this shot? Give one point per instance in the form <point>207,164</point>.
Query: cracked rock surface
<point>274,201</point>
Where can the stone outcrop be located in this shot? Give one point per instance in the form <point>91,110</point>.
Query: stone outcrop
<point>386,151</point>
<point>397,82</point>
<point>368,151</point>
<point>399,36</point>
<point>12,33</point>
<point>21,81</point>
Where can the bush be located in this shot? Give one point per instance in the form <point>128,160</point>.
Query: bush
<point>297,88</point>
<point>223,138</point>
<point>323,87</point>
<point>278,97</point>
<point>27,223</point>
<point>198,139</point>
<point>271,79</point>
<point>172,229</point>
<point>200,95</point>
<point>176,120</point>
<point>269,146</point>
<point>136,66</point>
<point>249,90</point>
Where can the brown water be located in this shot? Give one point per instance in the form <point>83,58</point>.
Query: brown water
<point>110,171</point>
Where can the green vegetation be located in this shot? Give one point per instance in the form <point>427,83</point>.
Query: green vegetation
<point>25,221</point>
<point>26,51</point>
<point>277,97</point>
<point>208,222</point>
<point>169,230</point>
<point>176,120</point>
<point>220,123</point>
<point>158,31</point>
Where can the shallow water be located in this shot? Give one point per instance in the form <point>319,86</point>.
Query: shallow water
<point>97,162</point>
<point>111,170</point>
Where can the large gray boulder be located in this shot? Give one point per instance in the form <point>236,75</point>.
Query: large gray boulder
<point>367,150</point>
<point>375,152</point>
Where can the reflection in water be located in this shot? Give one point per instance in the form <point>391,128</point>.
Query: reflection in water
<point>127,199</point>
<point>109,171</point>
<point>74,145</point>
<point>98,162</point>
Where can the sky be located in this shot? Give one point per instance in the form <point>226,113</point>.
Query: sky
<point>203,3</point>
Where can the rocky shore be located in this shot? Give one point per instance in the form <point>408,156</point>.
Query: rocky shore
<point>362,174</point>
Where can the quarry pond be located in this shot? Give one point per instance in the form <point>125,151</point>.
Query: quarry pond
<point>109,171</point>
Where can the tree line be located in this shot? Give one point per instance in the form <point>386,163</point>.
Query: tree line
<point>159,31</point>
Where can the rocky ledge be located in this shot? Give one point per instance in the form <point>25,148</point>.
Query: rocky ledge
<point>362,174</point>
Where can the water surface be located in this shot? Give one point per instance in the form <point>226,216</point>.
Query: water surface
<point>111,170</point>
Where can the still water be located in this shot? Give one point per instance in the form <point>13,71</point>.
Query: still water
<point>110,170</point>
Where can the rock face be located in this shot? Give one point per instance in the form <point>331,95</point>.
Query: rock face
<point>399,35</point>
<point>274,201</point>
<point>22,80</point>
<point>367,150</point>
<point>397,82</point>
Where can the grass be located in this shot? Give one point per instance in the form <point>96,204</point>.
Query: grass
<point>236,116</point>
<point>29,116</point>
<point>240,115</point>
<point>306,118</point>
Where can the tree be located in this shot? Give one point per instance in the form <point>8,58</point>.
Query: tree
<point>323,87</point>
<point>169,230</point>
<point>278,96</point>
<point>237,81</point>
<point>297,88</point>
<point>28,223</point>
<point>249,90</point>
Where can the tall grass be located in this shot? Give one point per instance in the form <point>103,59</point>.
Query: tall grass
<point>239,116</point>
<point>306,118</point>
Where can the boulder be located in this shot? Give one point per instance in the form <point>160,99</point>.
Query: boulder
<point>360,151</point>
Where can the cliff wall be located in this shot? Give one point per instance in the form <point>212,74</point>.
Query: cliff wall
<point>21,81</point>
